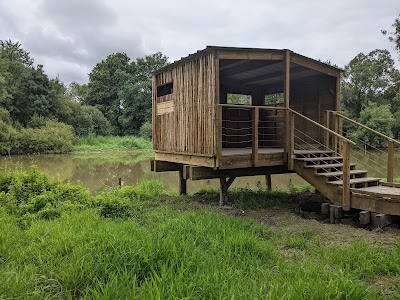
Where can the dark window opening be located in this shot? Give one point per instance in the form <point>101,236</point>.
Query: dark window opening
<point>165,89</point>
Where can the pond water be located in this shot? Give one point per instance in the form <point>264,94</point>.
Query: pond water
<point>97,171</point>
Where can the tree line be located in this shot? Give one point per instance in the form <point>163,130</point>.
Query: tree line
<point>39,114</point>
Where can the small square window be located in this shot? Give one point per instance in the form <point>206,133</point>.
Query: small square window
<point>165,89</point>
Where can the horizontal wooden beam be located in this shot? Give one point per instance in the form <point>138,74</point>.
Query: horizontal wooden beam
<point>199,173</point>
<point>249,65</point>
<point>278,74</point>
<point>164,166</point>
<point>186,159</point>
<point>314,65</point>
<point>262,55</point>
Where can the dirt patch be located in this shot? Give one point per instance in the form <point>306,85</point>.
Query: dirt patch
<point>305,214</point>
<point>387,285</point>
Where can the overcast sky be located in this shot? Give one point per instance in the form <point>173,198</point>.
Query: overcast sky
<point>69,37</point>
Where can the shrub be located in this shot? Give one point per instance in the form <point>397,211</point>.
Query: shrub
<point>7,137</point>
<point>54,137</point>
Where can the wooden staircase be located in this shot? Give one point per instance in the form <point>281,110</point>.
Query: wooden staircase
<point>324,170</point>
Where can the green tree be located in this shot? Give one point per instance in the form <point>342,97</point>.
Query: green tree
<point>378,117</point>
<point>121,89</point>
<point>369,78</point>
<point>106,80</point>
<point>77,92</point>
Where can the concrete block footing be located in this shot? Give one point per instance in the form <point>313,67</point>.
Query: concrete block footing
<point>380,220</point>
<point>335,214</point>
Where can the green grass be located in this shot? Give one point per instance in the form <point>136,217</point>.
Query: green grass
<point>138,243</point>
<point>110,143</point>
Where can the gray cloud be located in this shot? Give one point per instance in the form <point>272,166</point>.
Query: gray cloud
<point>70,36</point>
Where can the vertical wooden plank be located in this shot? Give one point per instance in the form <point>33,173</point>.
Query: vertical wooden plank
<point>327,125</point>
<point>286,95</point>
<point>346,176</point>
<point>256,115</point>
<point>390,161</point>
<point>291,143</point>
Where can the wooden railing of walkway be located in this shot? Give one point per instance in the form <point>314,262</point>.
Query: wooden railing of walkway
<point>338,118</point>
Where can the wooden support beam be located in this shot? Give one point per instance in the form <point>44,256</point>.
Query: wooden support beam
<point>182,183</point>
<point>199,173</point>
<point>224,186</point>
<point>390,161</point>
<point>268,182</point>
<point>327,125</point>
<point>219,135</point>
<point>256,115</point>
<point>291,142</point>
<point>286,95</point>
<point>164,166</point>
<point>346,196</point>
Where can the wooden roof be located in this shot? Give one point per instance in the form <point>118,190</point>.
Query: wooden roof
<point>272,52</point>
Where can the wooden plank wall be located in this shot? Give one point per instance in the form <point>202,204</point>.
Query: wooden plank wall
<point>312,98</point>
<point>190,127</point>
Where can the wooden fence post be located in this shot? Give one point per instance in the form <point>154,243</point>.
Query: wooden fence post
<point>327,125</point>
<point>219,139</point>
<point>346,176</point>
<point>291,142</point>
<point>390,161</point>
<point>256,115</point>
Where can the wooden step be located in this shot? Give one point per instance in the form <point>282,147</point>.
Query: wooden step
<point>328,166</point>
<point>356,181</point>
<point>340,173</point>
<point>302,152</point>
<point>307,159</point>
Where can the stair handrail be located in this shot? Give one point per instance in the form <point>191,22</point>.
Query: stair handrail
<point>364,126</point>
<point>390,141</point>
<point>346,146</point>
<point>323,127</point>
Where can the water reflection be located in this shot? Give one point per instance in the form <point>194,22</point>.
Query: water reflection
<point>97,171</point>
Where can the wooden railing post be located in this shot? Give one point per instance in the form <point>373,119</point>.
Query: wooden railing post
<point>327,125</point>
<point>346,205</point>
<point>390,160</point>
<point>256,115</point>
<point>291,142</point>
<point>219,132</point>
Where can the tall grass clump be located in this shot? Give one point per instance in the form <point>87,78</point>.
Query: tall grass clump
<point>110,143</point>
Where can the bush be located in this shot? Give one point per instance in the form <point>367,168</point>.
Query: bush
<point>54,137</point>
<point>31,195</point>
<point>146,130</point>
<point>7,137</point>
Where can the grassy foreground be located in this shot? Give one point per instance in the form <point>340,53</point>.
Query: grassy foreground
<point>59,242</point>
<point>110,143</point>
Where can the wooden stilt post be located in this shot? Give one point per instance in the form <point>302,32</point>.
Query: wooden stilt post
<point>223,192</point>
<point>346,176</point>
<point>268,182</point>
<point>182,183</point>
<point>224,186</point>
